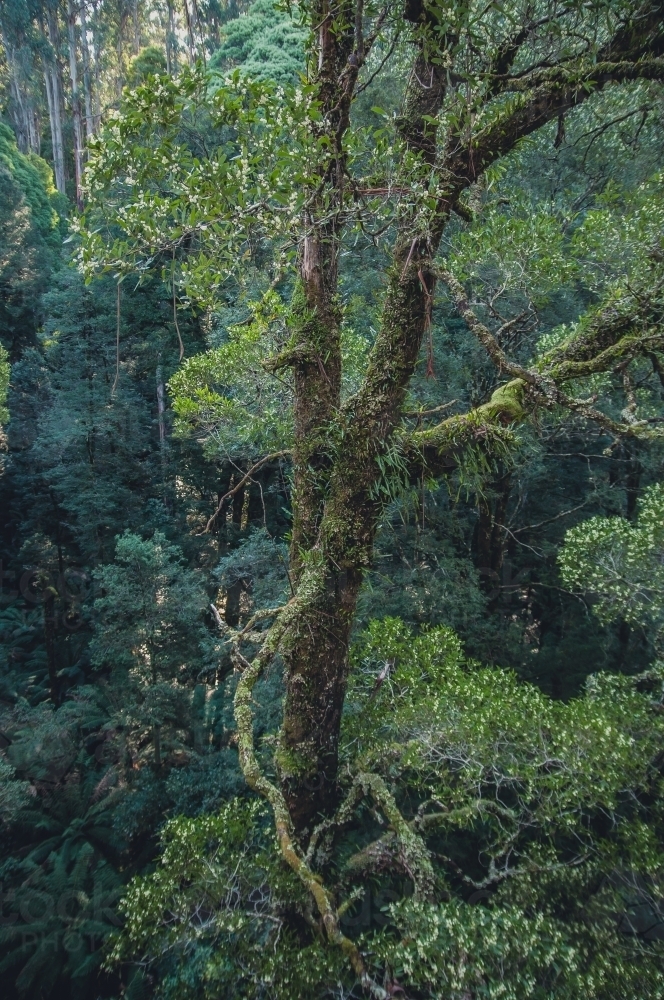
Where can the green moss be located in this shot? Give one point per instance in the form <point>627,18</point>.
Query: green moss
<point>507,401</point>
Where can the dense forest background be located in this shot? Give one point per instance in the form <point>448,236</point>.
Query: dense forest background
<point>116,684</point>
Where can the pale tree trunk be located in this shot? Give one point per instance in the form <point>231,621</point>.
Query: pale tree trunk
<point>54,98</point>
<point>54,113</point>
<point>191,44</point>
<point>96,96</point>
<point>137,31</point>
<point>87,83</point>
<point>120,52</point>
<point>171,56</point>
<point>161,410</point>
<point>75,103</point>
<point>22,112</point>
<point>21,115</point>
<point>34,136</point>
<point>18,113</point>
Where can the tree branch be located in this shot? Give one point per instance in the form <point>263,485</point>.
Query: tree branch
<point>284,829</point>
<point>245,479</point>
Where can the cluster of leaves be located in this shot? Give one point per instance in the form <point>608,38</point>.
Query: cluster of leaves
<point>267,42</point>
<point>621,562</point>
<point>30,232</point>
<point>227,393</point>
<point>212,165</point>
<point>58,791</point>
<point>221,898</point>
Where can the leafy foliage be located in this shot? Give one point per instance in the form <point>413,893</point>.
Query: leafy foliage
<point>620,563</point>
<point>535,808</point>
<point>491,831</point>
<point>267,42</point>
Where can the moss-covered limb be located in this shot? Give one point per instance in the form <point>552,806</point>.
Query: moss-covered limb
<point>246,633</point>
<point>624,350</point>
<point>615,333</point>
<point>411,852</point>
<point>439,448</point>
<point>603,72</point>
<point>259,616</point>
<point>636,315</point>
<point>627,428</point>
<point>282,820</point>
<point>333,824</point>
<point>632,52</point>
<point>483,334</point>
<point>400,848</point>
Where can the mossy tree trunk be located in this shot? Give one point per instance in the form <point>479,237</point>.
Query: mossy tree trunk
<point>339,448</point>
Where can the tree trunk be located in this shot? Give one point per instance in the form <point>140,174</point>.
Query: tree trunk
<point>171,55</point>
<point>21,109</point>
<point>87,83</point>
<point>191,45</point>
<point>54,100</point>
<point>156,745</point>
<point>490,539</point>
<point>236,589</point>
<point>120,53</point>
<point>335,512</point>
<point>75,104</point>
<point>161,410</point>
<point>96,96</point>
<point>50,622</point>
<point>137,32</point>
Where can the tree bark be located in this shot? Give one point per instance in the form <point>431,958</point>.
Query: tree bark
<point>96,40</point>
<point>490,538</point>
<point>171,52</point>
<point>335,507</point>
<point>87,82</point>
<point>21,107</point>
<point>335,511</point>
<point>137,31</point>
<point>54,99</point>
<point>75,104</point>
<point>50,628</point>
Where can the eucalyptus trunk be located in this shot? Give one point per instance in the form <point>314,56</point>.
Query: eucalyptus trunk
<point>54,99</point>
<point>87,82</point>
<point>75,103</point>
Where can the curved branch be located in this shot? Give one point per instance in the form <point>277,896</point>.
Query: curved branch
<point>483,334</point>
<point>283,825</point>
<point>245,479</point>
